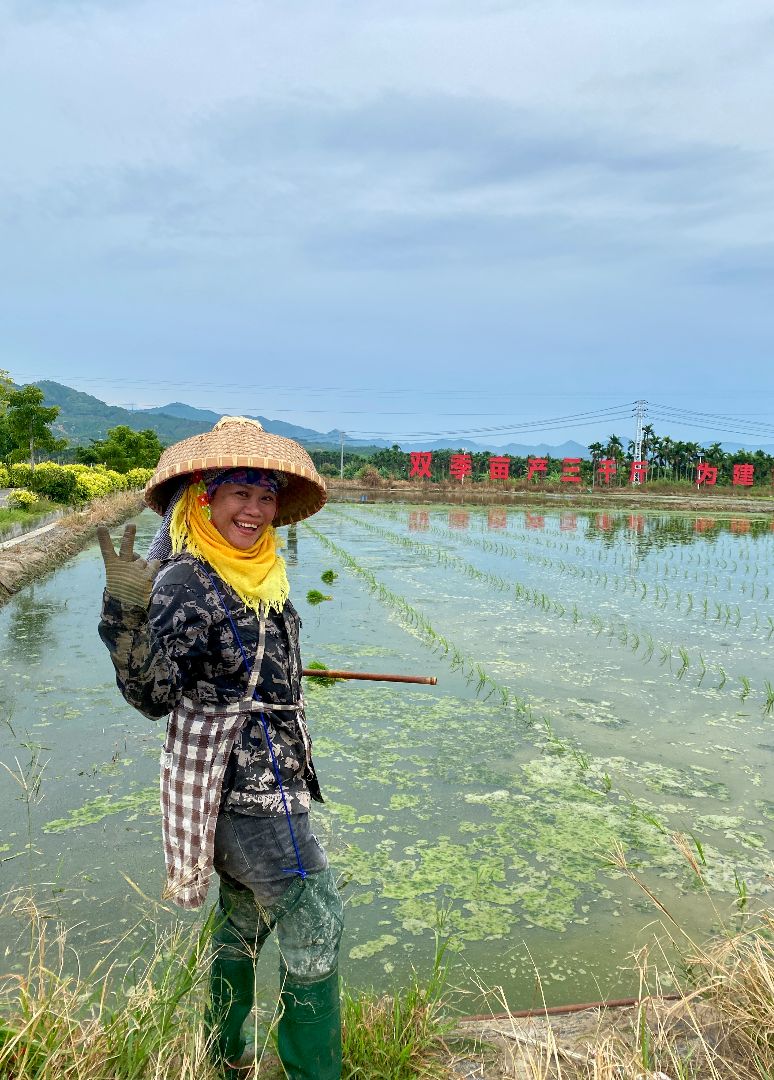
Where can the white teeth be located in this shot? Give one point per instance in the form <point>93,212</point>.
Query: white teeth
<point>244,525</point>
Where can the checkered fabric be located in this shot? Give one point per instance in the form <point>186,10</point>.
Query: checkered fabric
<point>193,762</point>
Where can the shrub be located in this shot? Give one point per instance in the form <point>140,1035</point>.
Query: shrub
<point>23,499</point>
<point>370,476</point>
<point>95,481</point>
<point>5,479</point>
<point>20,475</point>
<point>138,478</point>
<point>53,481</point>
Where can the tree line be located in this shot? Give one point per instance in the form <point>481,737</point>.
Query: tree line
<point>669,460</point>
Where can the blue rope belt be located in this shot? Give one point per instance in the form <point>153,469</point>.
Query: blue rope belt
<point>299,867</point>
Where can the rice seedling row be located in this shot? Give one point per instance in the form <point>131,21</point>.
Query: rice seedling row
<point>673,657</point>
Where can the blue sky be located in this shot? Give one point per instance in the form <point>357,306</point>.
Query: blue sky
<point>394,218</point>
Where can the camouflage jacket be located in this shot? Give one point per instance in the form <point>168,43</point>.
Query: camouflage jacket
<point>182,652</point>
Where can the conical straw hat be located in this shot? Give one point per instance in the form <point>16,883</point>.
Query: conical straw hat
<point>234,442</point>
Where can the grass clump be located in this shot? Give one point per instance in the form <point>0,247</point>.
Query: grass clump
<point>56,1026</point>
<point>400,1036</point>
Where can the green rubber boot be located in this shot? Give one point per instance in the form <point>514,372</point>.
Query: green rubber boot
<point>232,988</point>
<point>309,1035</point>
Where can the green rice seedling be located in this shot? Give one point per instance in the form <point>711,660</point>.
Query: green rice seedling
<point>745,691</point>
<point>704,606</point>
<point>583,760</point>
<point>649,647</point>
<point>634,642</point>
<point>769,706</point>
<point>723,678</point>
<point>328,576</point>
<point>771,626</point>
<point>319,680</point>
<point>314,596</point>
<point>699,848</point>
<point>702,669</point>
<point>666,655</point>
<point>742,897</point>
<point>685,661</point>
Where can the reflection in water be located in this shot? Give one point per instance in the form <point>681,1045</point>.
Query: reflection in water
<point>28,627</point>
<point>292,549</point>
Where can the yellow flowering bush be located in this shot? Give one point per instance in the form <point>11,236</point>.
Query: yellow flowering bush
<point>138,478</point>
<point>70,484</point>
<point>22,499</point>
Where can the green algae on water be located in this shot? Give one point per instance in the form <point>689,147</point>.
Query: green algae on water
<point>145,801</point>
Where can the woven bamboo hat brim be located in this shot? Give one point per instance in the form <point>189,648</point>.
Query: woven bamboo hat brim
<point>234,442</point>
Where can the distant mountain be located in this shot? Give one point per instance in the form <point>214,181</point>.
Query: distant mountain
<point>276,427</point>
<point>566,449</point>
<point>83,417</point>
<point>749,447</point>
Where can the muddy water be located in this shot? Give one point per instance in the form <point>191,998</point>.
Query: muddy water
<point>626,662</point>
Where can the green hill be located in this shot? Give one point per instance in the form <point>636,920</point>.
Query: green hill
<point>83,417</point>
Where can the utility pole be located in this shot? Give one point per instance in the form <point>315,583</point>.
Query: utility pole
<point>640,408</point>
<point>341,466</point>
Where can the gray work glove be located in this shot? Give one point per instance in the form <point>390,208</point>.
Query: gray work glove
<point>129,578</point>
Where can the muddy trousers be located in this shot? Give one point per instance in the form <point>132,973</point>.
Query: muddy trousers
<point>308,921</point>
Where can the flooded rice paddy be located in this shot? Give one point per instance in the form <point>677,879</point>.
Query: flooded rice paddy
<point>603,680</point>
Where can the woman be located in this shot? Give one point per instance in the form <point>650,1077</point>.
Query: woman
<point>211,639</point>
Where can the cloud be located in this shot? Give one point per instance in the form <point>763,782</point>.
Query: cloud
<point>455,143</point>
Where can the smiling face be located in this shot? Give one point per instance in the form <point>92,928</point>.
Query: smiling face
<point>242,513</point>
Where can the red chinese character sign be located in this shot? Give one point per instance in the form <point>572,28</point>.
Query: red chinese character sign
<point>743,475</point>
<point>706,473</point>
<point>420,463</point>
<point>460,466</point>
<point>606,469</point>
<point>638,472</point>
<point>536,465</point>
<point>571,470</point>
<point>499,468</point>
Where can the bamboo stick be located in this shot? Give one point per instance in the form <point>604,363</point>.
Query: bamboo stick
<point>320,673</point>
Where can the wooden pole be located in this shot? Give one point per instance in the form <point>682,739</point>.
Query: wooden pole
<point>321,673</point>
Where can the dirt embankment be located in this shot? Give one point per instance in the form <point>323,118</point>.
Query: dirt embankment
<point>625,498</point>
<point>38,555</point>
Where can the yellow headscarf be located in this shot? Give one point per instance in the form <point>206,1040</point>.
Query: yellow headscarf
<point>256,574</point>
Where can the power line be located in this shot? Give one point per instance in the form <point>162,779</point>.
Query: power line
<point>572,420</point>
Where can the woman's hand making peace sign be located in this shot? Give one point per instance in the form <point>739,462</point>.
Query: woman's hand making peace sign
<point>129,578</point>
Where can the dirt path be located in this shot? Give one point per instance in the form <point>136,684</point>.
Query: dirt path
<point>34,554</point>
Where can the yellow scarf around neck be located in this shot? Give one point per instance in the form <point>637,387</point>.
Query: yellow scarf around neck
<point>257,575</point>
